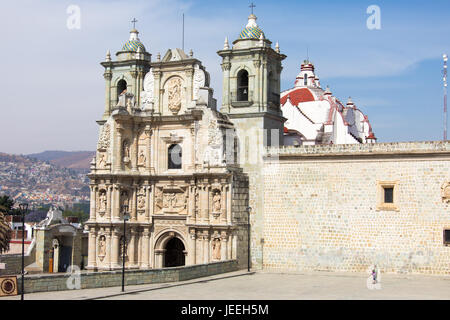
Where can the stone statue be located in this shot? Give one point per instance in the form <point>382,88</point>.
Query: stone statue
<point>216,202</point>
<point>216,249</point>
<point>102,161</point>
<point>141,158</point>
<point>102,201</point>
<point>126,149</point>
<point>102,246</point>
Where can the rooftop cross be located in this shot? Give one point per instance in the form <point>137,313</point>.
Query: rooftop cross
<point>134,23</point>
<point>251,6</point>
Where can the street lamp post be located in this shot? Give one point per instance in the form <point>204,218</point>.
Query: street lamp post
<point>23,207</point>
<point>125,218</point>
<point>248,240</point>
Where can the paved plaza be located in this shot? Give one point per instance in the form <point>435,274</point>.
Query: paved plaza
<point>260,285</point>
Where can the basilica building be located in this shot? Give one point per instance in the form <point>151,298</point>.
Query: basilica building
<point>166,162</point>
<point>175,181</point>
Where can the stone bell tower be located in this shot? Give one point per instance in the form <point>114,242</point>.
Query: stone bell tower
<point>125,73</point>
<point>251,82</point>
<point>251,99</point>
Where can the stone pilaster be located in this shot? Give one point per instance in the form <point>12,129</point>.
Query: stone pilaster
<point>145,248</point>
<point>92,249</point>
<point>192,248</point>
<point>115,249</point>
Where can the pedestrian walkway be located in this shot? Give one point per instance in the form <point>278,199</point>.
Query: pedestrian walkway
<point>242,285</point>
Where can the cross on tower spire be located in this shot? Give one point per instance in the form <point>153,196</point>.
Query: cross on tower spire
<point>134,23</point>
<point>251,6</point>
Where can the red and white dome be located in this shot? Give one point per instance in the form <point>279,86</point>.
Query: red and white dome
<point>318,116</point>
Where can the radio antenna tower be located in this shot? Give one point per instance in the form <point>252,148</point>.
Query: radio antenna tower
<point>445,96</point>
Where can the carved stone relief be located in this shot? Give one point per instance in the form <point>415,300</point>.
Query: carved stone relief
<point>141,200</point>
<point>174,94</point>
<point>171,199</point>
<point>104,140</point>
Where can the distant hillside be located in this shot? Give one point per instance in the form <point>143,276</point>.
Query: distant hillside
<point>66,159</point>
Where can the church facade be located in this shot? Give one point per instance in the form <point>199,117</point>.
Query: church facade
<point>165,158</point>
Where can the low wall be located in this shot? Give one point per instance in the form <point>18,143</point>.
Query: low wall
<point>324,208</point>
<point>59,282</point>
<point>13,263</point>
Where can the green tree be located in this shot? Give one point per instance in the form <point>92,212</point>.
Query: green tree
<point>6,204</point>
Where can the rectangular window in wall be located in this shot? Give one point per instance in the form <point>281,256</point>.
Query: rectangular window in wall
<point>447,236</point>
<point>387,196</point>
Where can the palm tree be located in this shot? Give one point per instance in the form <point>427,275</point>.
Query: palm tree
<point>5,231</point>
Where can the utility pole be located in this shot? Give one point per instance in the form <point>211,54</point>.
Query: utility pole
<point>445,96</point>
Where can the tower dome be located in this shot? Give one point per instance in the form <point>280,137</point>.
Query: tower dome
<point>251,30</point>
<point>133,43</point>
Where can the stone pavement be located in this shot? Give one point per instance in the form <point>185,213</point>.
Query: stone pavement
<point>241,285</point>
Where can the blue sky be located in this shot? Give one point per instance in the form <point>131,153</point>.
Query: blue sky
<point>54,89</point>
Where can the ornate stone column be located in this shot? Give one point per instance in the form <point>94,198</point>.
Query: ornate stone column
<point>134,203</point>
<point>148,133</point>
<point>229,191</point>
<point>149,204</point>
<point>93,204</point>
<point>134,148</point>
<point>264,84</point>
<point>108,248</point>
<point>226,66</point>
<point>115,248</point>
<point>192,250</point>
<point>116,211</point>
<point>145,251</point>
<point>223,246</point>
<point>206,246</point>
<point>92,249</point>
<point>117,160</point>
<point>223,204</point>
<point>131,248</point>
<point>107,75</point>
<point>108,201</point>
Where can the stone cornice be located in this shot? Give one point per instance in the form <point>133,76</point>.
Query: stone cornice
<point>395,149</point>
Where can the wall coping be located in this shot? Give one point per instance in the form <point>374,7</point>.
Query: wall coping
<point>119,271</point>
<point>371,149</point>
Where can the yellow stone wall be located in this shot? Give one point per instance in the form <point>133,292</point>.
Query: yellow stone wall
<point>320,208</point>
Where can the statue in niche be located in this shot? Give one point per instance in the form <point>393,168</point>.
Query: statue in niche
<point>216,246</point>
<point>102,247</point>
<point>126,150</point>
<point>102,200</point>
<point>102,161</point>
<point>141,158</point>
<point>174,95</point>
<point>159,198</point>
<point>216,201</point>
<point>124,197</point>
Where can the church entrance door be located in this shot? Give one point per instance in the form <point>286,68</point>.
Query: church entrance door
<point>65,258</point>
<point>174,254</point>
